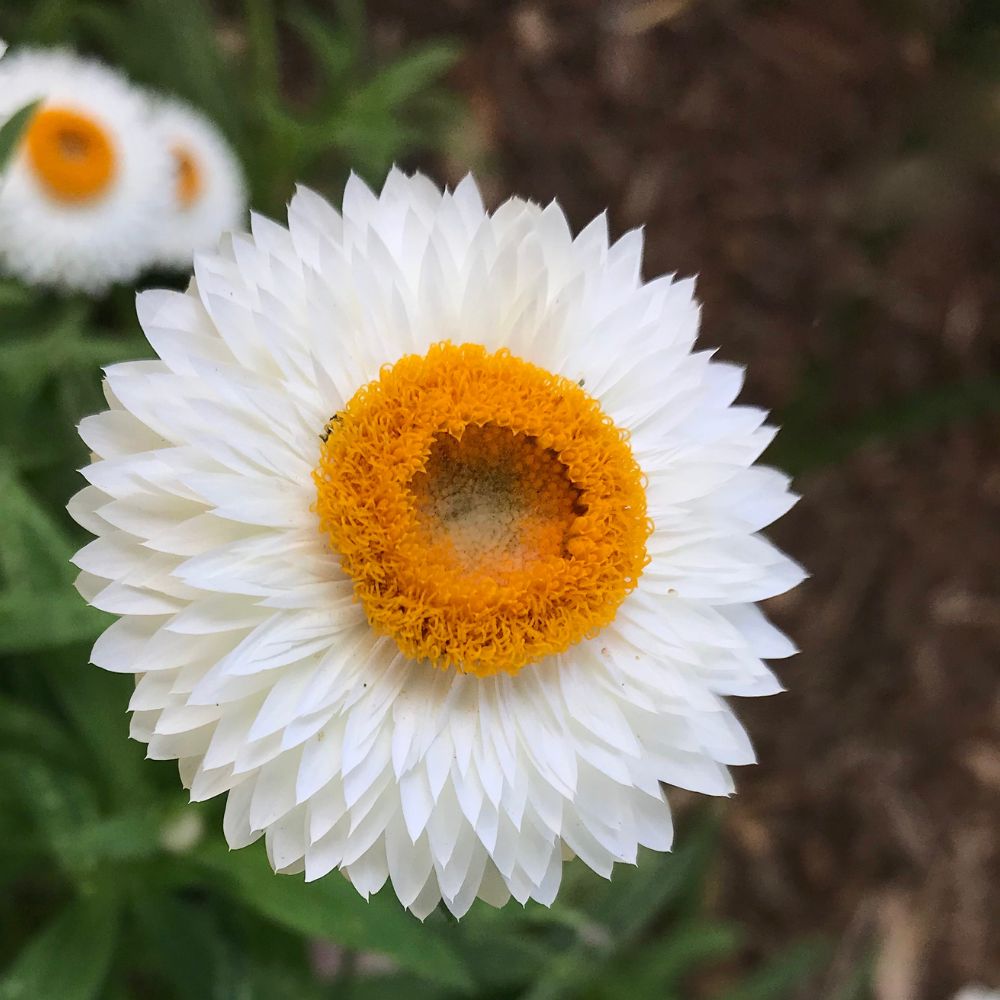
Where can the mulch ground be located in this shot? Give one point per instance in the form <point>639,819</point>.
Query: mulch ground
<point>831,171</point>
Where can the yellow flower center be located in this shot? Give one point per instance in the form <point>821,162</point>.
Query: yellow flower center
<point>72,155</point>
<point>487,510</point>
<point>188,177</point>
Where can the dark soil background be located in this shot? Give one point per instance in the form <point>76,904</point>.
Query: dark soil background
<point>831,171</point>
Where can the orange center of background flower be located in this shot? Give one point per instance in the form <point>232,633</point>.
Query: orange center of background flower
<point>488,512</point>
<point>71,154</point>
<point>188,174</point>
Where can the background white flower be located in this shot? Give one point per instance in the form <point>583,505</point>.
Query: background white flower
<point>255,667</point>
<point>81,200</point>
<point>209,190</point>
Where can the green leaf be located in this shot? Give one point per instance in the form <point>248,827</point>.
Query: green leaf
<point>59,810</point>
<point>14,295</point>
<point>413,73</point>
<point>262,32</point>
<point>778,978</point>
<point>55,800</point>
<point>858,985</point>
<point>810,444</point>
<point>184,942</point>
<point>626,907</point>
<point>68,959</point>
<point>636,896</point>
<point>32,620</point>
<point>656,968</point>
<point>34,551</point>
<point>393,987</point>
<point>260,979</point>
<point>330,908</point>
<point>170,46</point>
<point>95,702</point>
<point>38,607</point>
<point>504,948</point>
<point>335,50</point>
<point>23,727</point>
<point>12,130</point>
<point>46,23</point>
<point>125,837</point>
<point>369,118</point>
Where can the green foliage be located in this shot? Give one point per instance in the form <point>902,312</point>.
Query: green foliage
<point>644,934</point>
<point>781,975</point>
<point>359,115</point>
<point>331,910</point>
<point>808,440</point>
<point>12,130</point>
<point>68,958</point>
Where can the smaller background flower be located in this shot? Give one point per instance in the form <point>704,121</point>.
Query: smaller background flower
<point>83,196</point>
<point>208,192</point>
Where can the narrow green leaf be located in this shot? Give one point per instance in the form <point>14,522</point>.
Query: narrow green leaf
<point>262,32</point>
<point>636,896</point>
<point>656,968</point>
<point>802,447</point>
<point>393,987</point>
<point>14,295</point>
<point>125,837</point>
<point>623,909</point>
<point>12,130</point>
<point>352,21</point>
<point>779,977</point>
<point>55,800</point>
<point>24,728</point>
<point>34,550</point>
<point>858,985</point>
<point>170,46</point>
<point>413,73</point>
<point>38,607</point>
<point>331,909</point>
<point>68,959</point>
<point>261,979</point>
<point>504,949</point>
<point>184,941</point>
<point>335,51</point>
<point>35,620</point>
<point>95,702</point>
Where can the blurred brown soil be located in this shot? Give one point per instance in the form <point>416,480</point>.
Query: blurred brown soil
<point>831,170</point>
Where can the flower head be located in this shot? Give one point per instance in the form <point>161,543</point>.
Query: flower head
<point>87,187</point>
<point>434,543</point>
<point>209,195</point>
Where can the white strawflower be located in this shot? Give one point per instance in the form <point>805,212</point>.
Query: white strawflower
<point>209,195</point>
<point>434,543</point>
<point>83,195</point>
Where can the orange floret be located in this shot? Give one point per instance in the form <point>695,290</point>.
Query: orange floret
<point>72,155</point>
<point>188,177</point>
<point>489,513</point>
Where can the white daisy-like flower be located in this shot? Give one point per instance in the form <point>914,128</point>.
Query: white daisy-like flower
<point>82,198</point>
<point>434,544</point>
<point>977,993</point>
<point>209,193</point>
